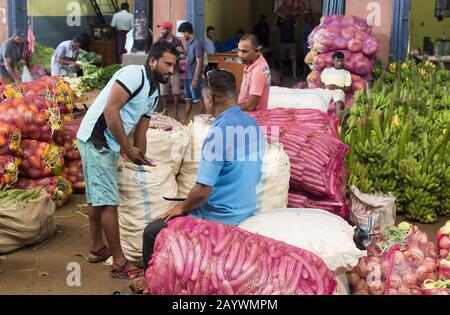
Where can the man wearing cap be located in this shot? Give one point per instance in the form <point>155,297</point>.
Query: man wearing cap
<point>123,21</point>
<point>194,69</point>
<point>10,53</point>
<point>65,57</point>
<point>174,83</point>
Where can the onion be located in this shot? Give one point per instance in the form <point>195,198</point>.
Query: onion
<point>392,292</point>
<point>362,286</point>
<point>361,269</point>
<point>395,281</point>
<point>421,273</point>
<point>376,287</point>
<point>430,264</point>
<point>404,291</point>
<point>409,280</point>
<point>353,279</point>
<point>444,242</point>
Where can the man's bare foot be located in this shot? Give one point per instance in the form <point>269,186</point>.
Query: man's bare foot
<point>139,285</point>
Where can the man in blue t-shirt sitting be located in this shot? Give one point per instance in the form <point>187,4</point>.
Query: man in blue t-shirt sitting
<point>229,170</point>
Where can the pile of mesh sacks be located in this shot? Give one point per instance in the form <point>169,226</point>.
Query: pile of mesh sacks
<point>349,35</point>
<point>38,137</point>
<point>311,140</point>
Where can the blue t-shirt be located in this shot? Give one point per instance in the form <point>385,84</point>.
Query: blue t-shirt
<point>136,80</point>
<point>195,50</point>
<point>232,161</point>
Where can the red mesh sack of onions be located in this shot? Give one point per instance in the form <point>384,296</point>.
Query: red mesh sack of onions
<point>35,117</point>
<point>10,138</point>
<point>41,159</point>
<point>409,237</point>
<point>73,172</point>
<point>196,257</point>
<point>57,187</point>
<point>399,263</point>
<point>349,38</point>
<point>67,138</point>
<point>443,241</point>
<point>9,171</point>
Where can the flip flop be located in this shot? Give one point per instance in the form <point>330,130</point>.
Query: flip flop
<point>124,272</point>
<point>99,256</point>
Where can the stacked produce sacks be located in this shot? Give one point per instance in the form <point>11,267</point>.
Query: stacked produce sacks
<point>194,257</point>
<point>403,261</point>
<point>272,190</point>
<point>350,35</point>
<point>311,140</point>
<point>67,140</point>
<point>29,120</point>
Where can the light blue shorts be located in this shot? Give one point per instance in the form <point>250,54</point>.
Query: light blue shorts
<point>100,175</point>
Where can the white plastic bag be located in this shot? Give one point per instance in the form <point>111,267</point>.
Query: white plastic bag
<point>26,75</point>
<point>129,43</point>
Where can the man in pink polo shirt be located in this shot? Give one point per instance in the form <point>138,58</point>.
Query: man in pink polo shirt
<point>257,79</point>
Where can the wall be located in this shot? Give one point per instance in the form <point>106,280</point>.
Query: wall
<point>3,20</point>
<point>424,23</point>
<point>167,10</point>
<point>228,16</point>
<point>49,19</point>
<point>381,32</point>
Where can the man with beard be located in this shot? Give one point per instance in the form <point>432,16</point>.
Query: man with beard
<point>127,102</point>
<point>257,79</point>
<point>173,87</point>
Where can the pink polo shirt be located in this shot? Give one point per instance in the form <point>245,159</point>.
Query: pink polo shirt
<point>256,81</point>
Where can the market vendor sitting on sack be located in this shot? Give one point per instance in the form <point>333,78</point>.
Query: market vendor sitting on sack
<point>64,59</point>
<point>257,79</point>
<point>229,170</point>
<point>338,81</point>
<point>127,102</point>
<point>11,52</point>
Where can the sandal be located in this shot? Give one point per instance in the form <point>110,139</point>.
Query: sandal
<point>124,272</point>
<point>127,291</point>
<point>100,255</point>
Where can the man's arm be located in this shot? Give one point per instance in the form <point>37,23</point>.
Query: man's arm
<point>10,70</point>
<point>140,134</point>
<point>114,21</point>
<point>252,105</point>
<point>198,72</point>
<point>117,100</point>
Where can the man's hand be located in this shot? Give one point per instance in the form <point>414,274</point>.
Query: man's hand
<point>23,62</point>
<point>194,84</point>
<point>135,155</point>
<point>176,211</point>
